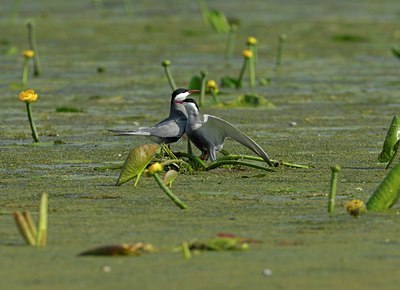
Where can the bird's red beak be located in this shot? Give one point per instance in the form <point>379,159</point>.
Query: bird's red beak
<point>194,91</point>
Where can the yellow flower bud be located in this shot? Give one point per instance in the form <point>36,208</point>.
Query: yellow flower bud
<point>212,85</point>
<point>28,53</point>
<point>247,53</point>
<point>28,96</point>
<point>251,40</point>
<point>355,207</point>
<point>154,168</point>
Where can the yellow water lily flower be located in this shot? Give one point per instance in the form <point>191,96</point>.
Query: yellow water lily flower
<point>154,168</point>
<point>355,207</point>
<point>251,40</point>
<point>247,53</point>
<point>212,85</point>
<point>28,53</point>
<point>28,96</point>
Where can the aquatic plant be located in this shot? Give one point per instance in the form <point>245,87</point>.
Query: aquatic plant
<point>247,55</point>
<point>230,43</point>
<point>153,171</point>
<point>332,194</point>
<point>140,157</point>
<point>33,45</point>
<point>28,97</point>
<point>279,52</point>
<point>387,193</point>
<point>216,19</point>
<point>252,46</point>
<point>135,249</point>
<point>166,64</point>
<point>27,228</point>
<point>355,207</point>
<point>396,51</point>
<point>391,143</point>
<point>28,55</point>
<point>136,163</point>
<point>212,88</point>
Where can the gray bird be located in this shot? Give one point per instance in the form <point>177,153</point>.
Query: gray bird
<point>208,133</point>
<point>170,129</point>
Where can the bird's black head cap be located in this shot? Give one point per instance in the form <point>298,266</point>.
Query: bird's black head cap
<point>177,92</point>
<point>190,100</point>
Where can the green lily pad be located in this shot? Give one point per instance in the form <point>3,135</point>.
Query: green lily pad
<point>387,193</point>
<point>391,141</point>
<point>136,162</point>
<point>248,100</point>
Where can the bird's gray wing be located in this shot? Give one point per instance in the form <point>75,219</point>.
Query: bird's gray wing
<point>166,129</point>
<point>219,129</point>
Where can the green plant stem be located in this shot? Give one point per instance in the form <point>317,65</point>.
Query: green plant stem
<point>204,10</point>
<point>242,71</point>
<point>28,218</point>
<point>396,150</point>
<point>128,7</point>
<point>172,161</point>
<point>279,52</point>
<point>33,45</point>
<point>219,163</point>
<point>332,194</point>
<point>194,158</point>
<point>203,75</point>
<point>252,69</point>
<point>168,192</point>
<point>215,96</point>
<point>32,123</point>
<point>256,158</point>
<point>186,251</point>
<point>25,73</point>
<point>23,228</point>
<point>230,41</point>
<point>170,78</point>
<point>41,237</point>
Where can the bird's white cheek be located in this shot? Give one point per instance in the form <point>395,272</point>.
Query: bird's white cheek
<point>181,96</point>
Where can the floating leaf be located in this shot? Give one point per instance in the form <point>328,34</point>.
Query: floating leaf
<point>220,244</point>
<point>136,162</point>
<point>387,193</point>
<point>229,82</point>
<point>347,37</point>
<point>120,250</point>
<point>195,83</point>
<point>396,51</point>
<point>391,141</point>
<point>252,100</point>
<point>170,176</point>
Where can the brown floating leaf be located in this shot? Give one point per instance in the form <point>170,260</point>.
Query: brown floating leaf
<point>136,162</point>
<point>120,250</point>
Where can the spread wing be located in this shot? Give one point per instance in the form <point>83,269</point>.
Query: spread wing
<point>219,129</point>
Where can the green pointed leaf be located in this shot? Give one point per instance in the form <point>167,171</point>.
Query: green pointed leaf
<point>387,193</point>
<point>136,162</point>
<point>392,137</point>
<point>218,21</point>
